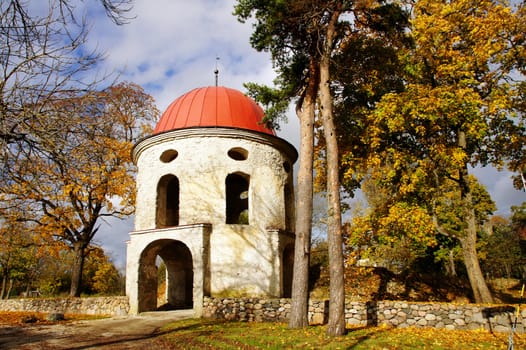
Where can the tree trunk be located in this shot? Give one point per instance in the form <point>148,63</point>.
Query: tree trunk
<point>480,289</point>
<point>336,324</point>
<point>4,285</point>
<point>76,269</point>
<point>300,281</point>
<point>11,281</point>
<point>451,269</point>
<point>468,241</point>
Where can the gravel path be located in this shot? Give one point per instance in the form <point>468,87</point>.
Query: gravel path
<point>133,332</point>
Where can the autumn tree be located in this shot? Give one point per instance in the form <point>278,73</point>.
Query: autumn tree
<point>43,57</point>
<point>21,248</point>
<point>505,247</point>
<point>101,276</point>
<point>393,232</point>
<point>78,168</point>
<point>518,220</point>
<point>44,60</point>
<point>14,254</point>
<point>54,273</point>
<point>502,250</point>
<point>456,110</point>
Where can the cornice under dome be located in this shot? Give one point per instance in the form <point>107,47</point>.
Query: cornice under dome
<point>231,133</point>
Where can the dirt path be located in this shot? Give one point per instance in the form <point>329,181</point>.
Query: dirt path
<point>134,332</point>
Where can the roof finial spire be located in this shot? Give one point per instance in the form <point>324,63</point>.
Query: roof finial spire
<point>216,71</point>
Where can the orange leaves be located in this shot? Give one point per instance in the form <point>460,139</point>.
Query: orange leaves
<point>79,160</point>
<point>78,165</point>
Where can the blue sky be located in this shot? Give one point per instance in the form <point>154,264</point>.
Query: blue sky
<point>170,47</point>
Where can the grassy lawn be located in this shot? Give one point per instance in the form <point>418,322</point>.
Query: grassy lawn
<point>207,334</point>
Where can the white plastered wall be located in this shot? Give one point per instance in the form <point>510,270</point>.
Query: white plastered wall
<point>243,259</point>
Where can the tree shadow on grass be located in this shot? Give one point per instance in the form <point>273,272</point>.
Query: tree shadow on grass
<point>369,332</point>
<point>140,339</point>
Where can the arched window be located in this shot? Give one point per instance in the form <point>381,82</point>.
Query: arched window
<point>237,199</point>
<point>167,202</point>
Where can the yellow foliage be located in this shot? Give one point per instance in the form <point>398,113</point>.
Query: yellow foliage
<point>81,162</point>
<point>407,220</point>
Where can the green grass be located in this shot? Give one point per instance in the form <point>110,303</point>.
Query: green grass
<point>209,334</point>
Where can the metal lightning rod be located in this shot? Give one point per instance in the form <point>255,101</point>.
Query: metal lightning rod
<point>216,71</point>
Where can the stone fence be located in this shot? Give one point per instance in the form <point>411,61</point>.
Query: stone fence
<point>107,306</point>
<point>498,318</point>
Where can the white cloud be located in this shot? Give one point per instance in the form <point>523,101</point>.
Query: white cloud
<point>112,237</point>
<point>171,47</point>
<point>500,186</point>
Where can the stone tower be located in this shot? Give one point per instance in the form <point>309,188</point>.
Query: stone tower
<point>215,203</point>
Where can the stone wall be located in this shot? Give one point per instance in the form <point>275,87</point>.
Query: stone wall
<point>107,306</point>
<point>497,318</point>
<point>247,309</point>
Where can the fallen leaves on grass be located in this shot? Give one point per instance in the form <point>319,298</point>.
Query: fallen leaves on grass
<point>27,318</point>
<point>431,338</point>
<point>209,334</point>
<point>22,317</point>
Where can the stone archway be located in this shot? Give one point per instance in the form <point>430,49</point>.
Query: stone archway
<point>179,275</point>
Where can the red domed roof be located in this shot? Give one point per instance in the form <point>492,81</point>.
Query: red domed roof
<point>213,106</point>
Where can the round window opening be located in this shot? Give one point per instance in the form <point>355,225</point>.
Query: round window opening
<point>169,155</point>
<point>238,153</point>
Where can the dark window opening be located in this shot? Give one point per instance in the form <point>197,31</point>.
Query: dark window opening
<point>168,201</point>
<point>238,153</point>
<point>169,155</point>
<point>237,199</point>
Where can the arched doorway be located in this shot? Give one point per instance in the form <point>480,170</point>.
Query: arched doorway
<point>177,259</point>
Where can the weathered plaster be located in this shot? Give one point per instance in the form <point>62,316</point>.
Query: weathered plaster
<point>228,259</point>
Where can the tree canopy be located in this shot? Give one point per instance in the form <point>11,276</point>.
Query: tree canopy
<point>65,138</point>
<point>457,110</point>
<point>78,168</point>
<point>44,57</point>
